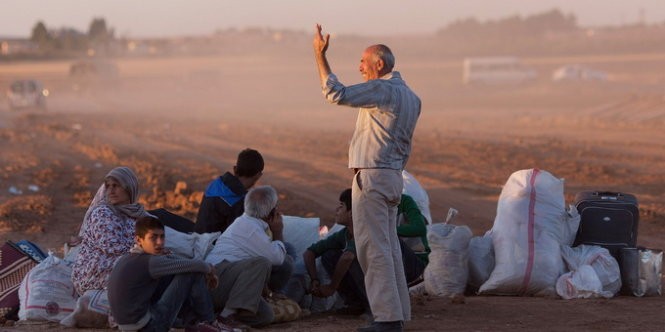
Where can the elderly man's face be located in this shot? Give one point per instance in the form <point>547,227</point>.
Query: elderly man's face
<point>369,65</point>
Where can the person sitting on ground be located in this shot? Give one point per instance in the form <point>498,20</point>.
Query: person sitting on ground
<point>107,231</point>
<point>412,227</point>
<point>257,233</point>
<point>223,200</point>
<point>238,297</point>
<point>148,289</point>
<point>338,255</point>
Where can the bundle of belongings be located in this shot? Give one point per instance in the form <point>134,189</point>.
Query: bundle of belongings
<point>538,247</point>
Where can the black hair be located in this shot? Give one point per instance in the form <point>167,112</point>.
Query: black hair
<point>146,224</point>
<point>345,197</point>
<point>250,163</point>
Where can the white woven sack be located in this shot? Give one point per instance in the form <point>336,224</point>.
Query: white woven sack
<point>47,292</point>
<point>527,234</point>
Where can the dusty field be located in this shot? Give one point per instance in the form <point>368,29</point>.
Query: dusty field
<point>185,120</point>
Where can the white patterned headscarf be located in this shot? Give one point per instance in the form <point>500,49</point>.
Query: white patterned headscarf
<point>128,180</point>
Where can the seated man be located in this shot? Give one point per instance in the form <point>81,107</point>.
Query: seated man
<point>257,233</point>
<point>223,200</point>
<point>147,288</point>
<point>338,255</point>
<point>412,227</point>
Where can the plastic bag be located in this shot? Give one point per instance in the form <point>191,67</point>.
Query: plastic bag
<point>593,273</point>
<point>582,283</point>
<point>641,271</point>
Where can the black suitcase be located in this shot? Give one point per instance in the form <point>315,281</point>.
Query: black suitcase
<point>608,219</point>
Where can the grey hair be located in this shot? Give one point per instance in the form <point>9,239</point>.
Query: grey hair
<point>384,53</point>
<point>260,201</point>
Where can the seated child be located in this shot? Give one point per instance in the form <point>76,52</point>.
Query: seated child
<point>149,289</point>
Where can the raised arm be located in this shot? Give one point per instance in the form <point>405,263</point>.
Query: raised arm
<point>320,47</point>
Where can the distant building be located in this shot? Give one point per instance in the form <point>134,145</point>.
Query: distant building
<point>13,46</point>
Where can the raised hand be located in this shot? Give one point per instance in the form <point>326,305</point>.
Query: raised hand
<point>320,42</point>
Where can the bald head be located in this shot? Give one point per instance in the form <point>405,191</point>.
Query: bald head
<point>383,53</point>
<point>376,61</point>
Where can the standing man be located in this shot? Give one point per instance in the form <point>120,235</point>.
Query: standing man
<point>223,200</point>
<point>380,147</point>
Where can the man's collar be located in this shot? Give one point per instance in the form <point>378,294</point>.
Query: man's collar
<point>391,75</point>
<point>261,222</point>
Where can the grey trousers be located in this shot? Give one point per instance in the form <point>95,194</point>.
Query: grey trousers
<point>240,286</point>
<point>375,194</point>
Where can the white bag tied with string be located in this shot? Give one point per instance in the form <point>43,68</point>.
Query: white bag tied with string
<point>447,272</point>
<point>527,234</point>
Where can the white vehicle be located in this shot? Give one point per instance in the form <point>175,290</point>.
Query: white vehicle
<point>578,73</point>
<point>496,70</point>
<point>26,94</point>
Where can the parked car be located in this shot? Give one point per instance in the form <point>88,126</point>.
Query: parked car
<point>25,94</point>
<point>578,72</point>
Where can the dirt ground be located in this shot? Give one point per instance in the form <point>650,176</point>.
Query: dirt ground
<point>184,120</point>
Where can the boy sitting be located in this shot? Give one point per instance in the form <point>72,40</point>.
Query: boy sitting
<point>149,289</point>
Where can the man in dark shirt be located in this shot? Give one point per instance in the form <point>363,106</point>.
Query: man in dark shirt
<point>223,200</point>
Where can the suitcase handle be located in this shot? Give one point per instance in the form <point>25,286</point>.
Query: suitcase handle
<point>608,195</point>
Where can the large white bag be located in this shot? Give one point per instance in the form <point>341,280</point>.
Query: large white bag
<point>47,292</point>
<point>190,245</point>
<point>413,188</point>
<point>301,233</point>
<point>527,235</point>
<point>448,269</point>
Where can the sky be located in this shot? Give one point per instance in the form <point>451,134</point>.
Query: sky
<point>162,18</point>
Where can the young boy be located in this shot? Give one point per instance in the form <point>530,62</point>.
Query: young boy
<point>149,289</point>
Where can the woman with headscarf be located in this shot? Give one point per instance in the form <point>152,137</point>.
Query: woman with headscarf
<point>107,231</point>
